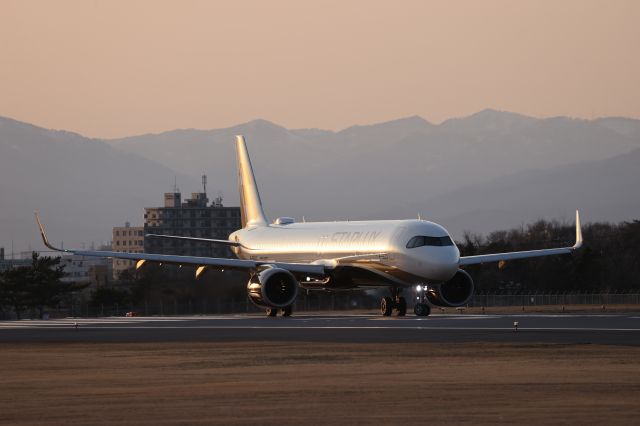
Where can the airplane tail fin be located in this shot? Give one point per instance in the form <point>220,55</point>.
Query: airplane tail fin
<point>250,203</point>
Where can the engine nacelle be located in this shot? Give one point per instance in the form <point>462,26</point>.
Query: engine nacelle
<point>455,292</point>
<point>273,288</point>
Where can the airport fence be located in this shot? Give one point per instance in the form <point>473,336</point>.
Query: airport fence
<point>544,299</point>
<point>215,307</point>
<point>336,302</point>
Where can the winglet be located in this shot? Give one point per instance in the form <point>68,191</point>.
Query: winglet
<point>578,243</point>
<point>43,234</point>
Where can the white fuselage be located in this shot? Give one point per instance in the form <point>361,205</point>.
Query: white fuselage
<point>386,242</point>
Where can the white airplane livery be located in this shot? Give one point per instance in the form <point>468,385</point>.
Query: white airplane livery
<point>284,256</point>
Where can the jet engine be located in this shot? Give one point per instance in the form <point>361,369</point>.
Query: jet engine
<point>455,292</point>
<point>273,288</point>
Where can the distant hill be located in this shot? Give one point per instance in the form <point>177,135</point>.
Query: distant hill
<point>383,170</point>
<point>604,190</point>
<point>395,169</point>
<point>625,126</point>
<point>82,186</point>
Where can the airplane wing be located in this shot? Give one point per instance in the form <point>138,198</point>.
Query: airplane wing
<point>486,258</point>
<point>203,240</point>
<point>201,262</point>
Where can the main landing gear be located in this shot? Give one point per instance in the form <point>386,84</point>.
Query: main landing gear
<point>395,301</point>
<point>286,311</point>
<point>422,308</point>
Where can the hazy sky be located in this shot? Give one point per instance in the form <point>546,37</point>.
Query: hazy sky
<point>118,68</point>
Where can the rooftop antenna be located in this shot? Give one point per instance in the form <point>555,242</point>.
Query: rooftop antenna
<point>218,200</point>
<point>204,184</point>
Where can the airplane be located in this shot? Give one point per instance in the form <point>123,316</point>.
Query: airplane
<point>285,256</point>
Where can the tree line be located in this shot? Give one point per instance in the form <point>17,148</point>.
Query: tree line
<point>35,287</point>
<point>609,260</point>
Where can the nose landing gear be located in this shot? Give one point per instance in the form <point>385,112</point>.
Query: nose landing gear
<point>395,301</point>
<point>422,308</point>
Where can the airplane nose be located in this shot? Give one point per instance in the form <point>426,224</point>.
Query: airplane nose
<point>445,255</point>
<point>441,262</point>
<point>451,259</point>
<point>453,254</point>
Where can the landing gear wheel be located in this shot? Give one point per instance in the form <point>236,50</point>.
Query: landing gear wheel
<point>272,312</point>
<point>386,306</point>
<point>401,306</point>
<point>422,309</point>
<point>287,311</point>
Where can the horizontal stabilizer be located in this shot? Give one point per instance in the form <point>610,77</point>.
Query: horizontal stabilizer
<point>202,240</point>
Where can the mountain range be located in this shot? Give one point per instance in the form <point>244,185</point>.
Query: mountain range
<point>487,171</point>
<point>82,187</point>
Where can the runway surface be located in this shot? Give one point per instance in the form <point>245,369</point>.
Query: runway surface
<point>615,329</point>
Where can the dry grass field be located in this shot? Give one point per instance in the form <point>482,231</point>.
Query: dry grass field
<point>318,383</point>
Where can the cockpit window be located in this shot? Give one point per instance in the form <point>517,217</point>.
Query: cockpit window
<point>422,240</point>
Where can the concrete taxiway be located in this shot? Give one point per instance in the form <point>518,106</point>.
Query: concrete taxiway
<point>616,329</point>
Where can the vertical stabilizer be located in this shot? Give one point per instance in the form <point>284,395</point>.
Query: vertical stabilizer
<point>250,204</point>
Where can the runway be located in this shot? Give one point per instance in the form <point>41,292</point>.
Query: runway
<point>613,329</point>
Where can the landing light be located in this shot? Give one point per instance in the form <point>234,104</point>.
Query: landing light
<point>308,279</point>
<point>419,288</point>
